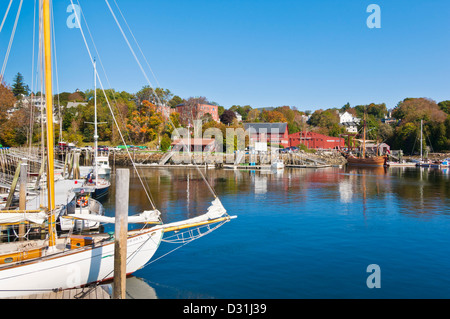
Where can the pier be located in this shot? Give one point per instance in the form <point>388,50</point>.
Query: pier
<point>97,292</point>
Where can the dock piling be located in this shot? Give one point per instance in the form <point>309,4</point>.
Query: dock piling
<point>121,231</point>
<point>23,195</point>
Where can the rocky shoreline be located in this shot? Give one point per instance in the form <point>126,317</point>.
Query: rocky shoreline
<point>333,158</point>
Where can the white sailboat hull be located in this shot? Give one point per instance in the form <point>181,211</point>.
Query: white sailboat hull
<point>76,267</point>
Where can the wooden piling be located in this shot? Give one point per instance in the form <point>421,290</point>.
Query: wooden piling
<point>13,187</point>
<point>121,231</point>
<point>23,196</point>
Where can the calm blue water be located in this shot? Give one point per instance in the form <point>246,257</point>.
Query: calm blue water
<point>304,233</point>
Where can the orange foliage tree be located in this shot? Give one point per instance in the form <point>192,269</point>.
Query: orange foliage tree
<point>145,124</point>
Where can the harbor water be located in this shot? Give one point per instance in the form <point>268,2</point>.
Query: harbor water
<point>302,233</point>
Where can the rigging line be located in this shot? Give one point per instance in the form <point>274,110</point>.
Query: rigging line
<point>104,72</point>
<point>137,44</point>
<point>210,230</point>
<point>107,79</point>
<point>158,99</point>
<point>112,113</point>
<point>56,71</point>
<point>5,61</point>
<point>126,39</point>
<point>6,14</point>
<point>32,80</point>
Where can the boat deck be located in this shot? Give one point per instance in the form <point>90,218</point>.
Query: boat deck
<point>97,292</point>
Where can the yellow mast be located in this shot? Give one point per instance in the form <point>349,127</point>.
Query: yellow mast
<point>49,108</point>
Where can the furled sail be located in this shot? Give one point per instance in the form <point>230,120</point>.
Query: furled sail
<point>216,210</point>
<point>12,218</point>
<point>146,217</point>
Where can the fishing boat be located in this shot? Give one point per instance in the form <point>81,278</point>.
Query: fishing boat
<point>365,160</point>
<point>102,166</point>
<point>62,262</point>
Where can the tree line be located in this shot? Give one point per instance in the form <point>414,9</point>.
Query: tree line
<point>142,122</point>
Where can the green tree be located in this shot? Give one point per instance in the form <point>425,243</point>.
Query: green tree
<point>445,106</point>
<point>175,101</point>
<point>165,142</point>
<point>19,87</point>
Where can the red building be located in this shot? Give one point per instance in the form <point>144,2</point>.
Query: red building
<point>268,132</point>
<point>315,140</point>
<point>198,111</point>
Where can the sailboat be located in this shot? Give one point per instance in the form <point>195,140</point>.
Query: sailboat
<point>364,160</point>
<point>56,263</point>
<point>100,185</point>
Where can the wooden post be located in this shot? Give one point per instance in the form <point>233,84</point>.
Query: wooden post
<point>23,196</point>
<point>13,186</point>
<point>121,231</point>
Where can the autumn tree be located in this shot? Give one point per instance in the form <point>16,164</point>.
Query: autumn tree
<point>273,116</point>
<point>227,117</point>
<point>411,111</point>
<point>293,118</point>
<point>145,124</point>
<point>327,121</point>
<point>7,101</point>
<point>155,96</point>
<point>253,115</point>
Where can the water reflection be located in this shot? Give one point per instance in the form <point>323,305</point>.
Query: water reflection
<point>181,193</point>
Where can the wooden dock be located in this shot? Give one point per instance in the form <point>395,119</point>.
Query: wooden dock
<point>98,292</point>
<point>247,167</point>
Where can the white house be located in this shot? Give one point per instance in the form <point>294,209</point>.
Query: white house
<point>349,121</point>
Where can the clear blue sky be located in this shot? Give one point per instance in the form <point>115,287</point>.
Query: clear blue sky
<point>308,54</point>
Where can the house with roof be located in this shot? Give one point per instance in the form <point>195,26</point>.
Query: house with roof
<point>349,121</point>
<point>268,132</point>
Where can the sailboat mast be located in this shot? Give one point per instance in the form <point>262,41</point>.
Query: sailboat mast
<point>95,123</point>
<point>364,137</point>
<point>421,132</point>
<point>49,110</point>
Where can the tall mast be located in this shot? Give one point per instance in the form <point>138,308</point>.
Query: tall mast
<point>421,141</point>
<point>95,123</point>
<point>364,137</point>
<point>49,109</point>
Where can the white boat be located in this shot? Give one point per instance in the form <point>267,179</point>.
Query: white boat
<point>34,267</point>
<point>103,168</point>
<point>39,266</point>
<point>401,164</point>
<point>82,203</point>
<point>73,262</point>
<point>277,164</point>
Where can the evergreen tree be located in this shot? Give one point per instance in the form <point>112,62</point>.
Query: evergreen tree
<point>19,87</point>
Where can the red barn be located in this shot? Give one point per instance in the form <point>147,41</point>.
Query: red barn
<point>315,140</point>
